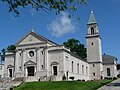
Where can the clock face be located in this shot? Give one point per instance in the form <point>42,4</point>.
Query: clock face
<point>31,53</point>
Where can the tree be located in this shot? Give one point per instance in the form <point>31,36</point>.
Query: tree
<point>47,5</point>
<point>10,48</point>
<point>2,54</point>
<point>76,47</point>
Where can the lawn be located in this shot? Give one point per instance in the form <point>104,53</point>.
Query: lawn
<point>63,85</point>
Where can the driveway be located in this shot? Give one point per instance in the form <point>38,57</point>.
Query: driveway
<point>115,85</point>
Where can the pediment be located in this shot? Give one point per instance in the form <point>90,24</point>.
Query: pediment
<point>31,38</point>
<point>10,66</point>
<point>54,63</point>
<point>29,63</point>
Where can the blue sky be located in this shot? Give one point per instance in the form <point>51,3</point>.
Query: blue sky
<point>55,27</point>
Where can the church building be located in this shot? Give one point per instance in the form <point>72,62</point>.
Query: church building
<point>40,59</point>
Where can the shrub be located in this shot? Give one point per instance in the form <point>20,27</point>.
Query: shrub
<point>114,78</point>
<point>83,80</point>
<point>101,77</point>
<point>78,80</point>
<point>110,78</point>
<point>11,88</point>
<point>106,78</point>
<point>64,77</point>
<point>71,78</point>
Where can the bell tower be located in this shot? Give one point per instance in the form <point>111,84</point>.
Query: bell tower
<point>94,48</point>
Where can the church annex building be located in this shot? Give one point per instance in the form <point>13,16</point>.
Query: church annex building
<point>40,59</point>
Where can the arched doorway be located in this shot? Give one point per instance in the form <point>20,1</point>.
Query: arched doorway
<point>54,66</point>
<point>10,70</point>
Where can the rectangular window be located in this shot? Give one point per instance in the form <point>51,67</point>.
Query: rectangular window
<point>93,74</point>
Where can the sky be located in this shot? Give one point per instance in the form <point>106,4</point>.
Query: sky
<point>60,28</point>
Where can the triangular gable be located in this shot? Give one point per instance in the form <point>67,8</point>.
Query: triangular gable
<point>29,63</point>
<point>32,38</point>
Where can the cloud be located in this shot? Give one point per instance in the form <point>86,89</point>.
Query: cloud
<point>61,25</point>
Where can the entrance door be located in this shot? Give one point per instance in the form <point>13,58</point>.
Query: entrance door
<point>30,71</point>
<point>55,70</point>
<point>10,72</point>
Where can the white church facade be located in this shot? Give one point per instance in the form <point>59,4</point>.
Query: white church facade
<point>40,59</point>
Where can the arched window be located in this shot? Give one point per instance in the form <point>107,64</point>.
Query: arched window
<point>72,66</point>
<point>92,44</point>
<point>92,30</point>
<point>86,70</point>
<point>78,68</point>
<point>108,71</point>
<point>83,69</point>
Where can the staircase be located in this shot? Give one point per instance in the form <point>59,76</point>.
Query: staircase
<point>17,81</point>
<point>31,79</point>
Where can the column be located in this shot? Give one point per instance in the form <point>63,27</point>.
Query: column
<point>8,72</point>
<point>35,70</point>
<point>26,72</point>
<point>23,59</point>
<point>46,62</point>
<point>45,59</point>
<point>37,58</point>
<point>16,62</point>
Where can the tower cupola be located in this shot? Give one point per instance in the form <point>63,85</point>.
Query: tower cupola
<point>92,26</point>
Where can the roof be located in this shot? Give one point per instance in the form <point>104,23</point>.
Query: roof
<point>108,59</point>
<point>92,19</point>
<point>38,35</point>
<point>1,64</point>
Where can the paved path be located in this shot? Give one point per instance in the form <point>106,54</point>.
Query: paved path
<point>115,85</point>
<point>5,86</point>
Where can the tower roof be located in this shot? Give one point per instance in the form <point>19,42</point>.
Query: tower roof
<point>92,19</point>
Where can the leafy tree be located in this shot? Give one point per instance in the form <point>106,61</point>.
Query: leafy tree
<point>46,5</point>
<point>10,48</point>
<point>76,47</point>
<point>2,54</point>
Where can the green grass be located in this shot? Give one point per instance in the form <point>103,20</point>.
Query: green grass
<point>63,85</point>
